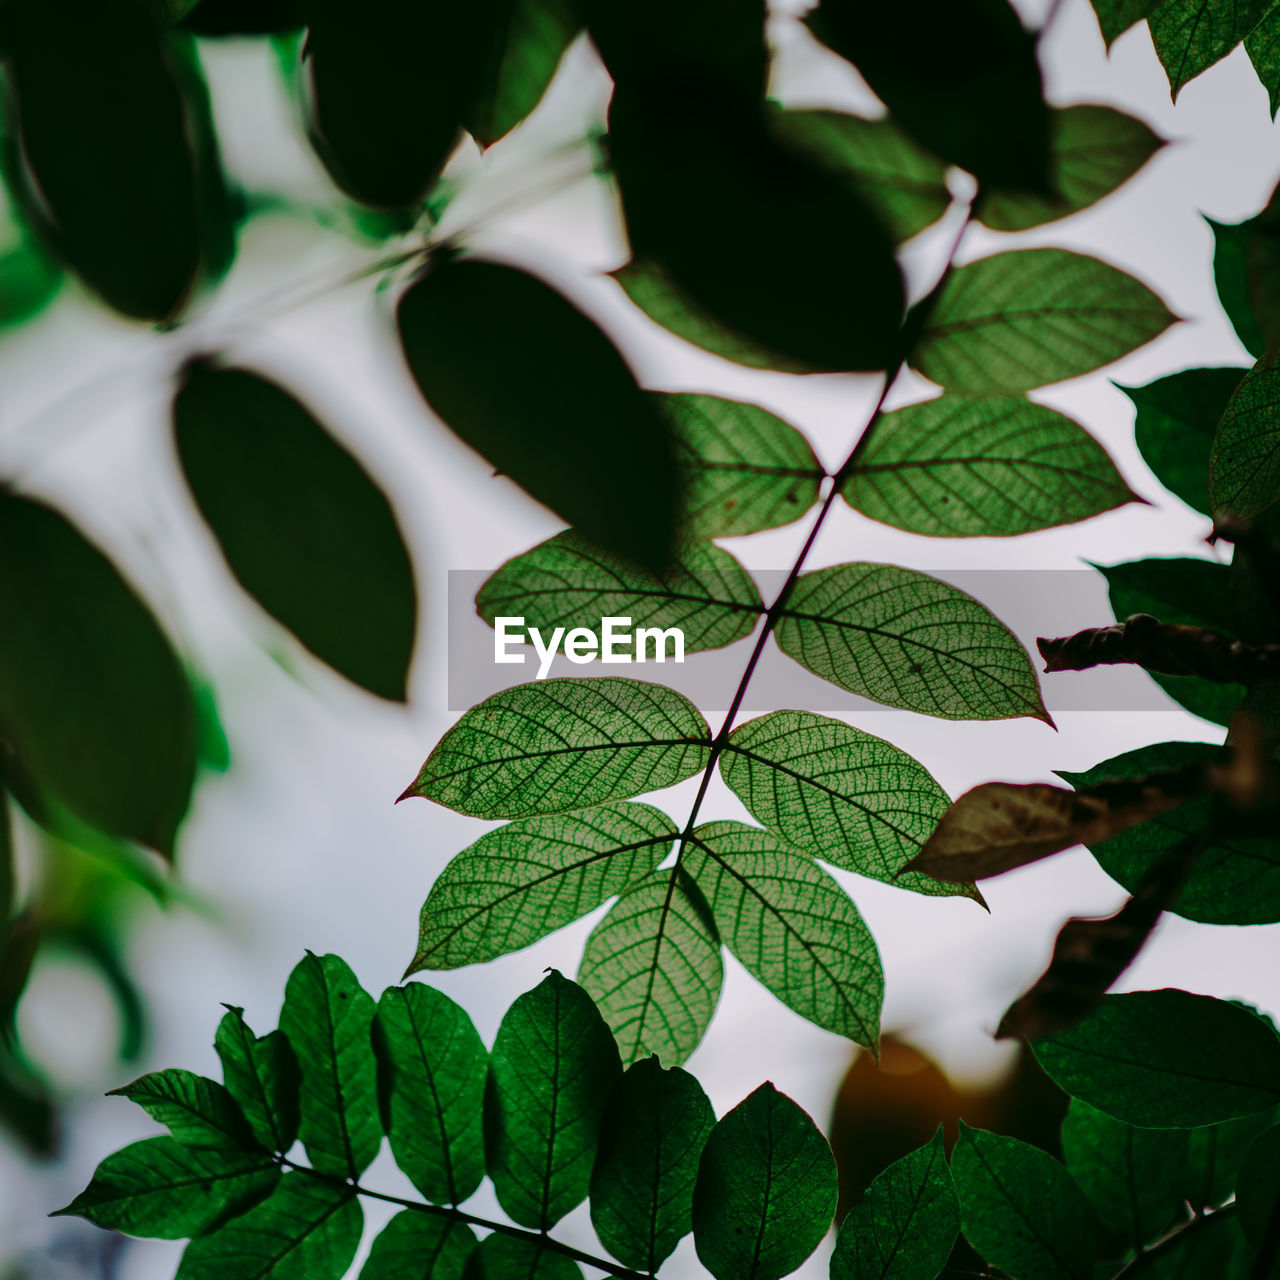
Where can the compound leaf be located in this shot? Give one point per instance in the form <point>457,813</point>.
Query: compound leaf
<point>1191,35</point>
<point>1244,466</point>
<point>197,1111</point>
<point>261,1074</point>
<point>419,1244</point>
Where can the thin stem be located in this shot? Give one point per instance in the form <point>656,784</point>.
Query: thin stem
<point>1149,1257</point>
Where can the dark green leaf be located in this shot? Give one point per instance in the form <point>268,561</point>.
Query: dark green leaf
<point>1167,1060</point>
<point>527,879</point>
<point>261,1074</point>
<point>766,1190</point>
<point>1134,1178</point>
<point>327,1018</point>
<point>564,744</point>
<point>1092,151</point>
<point>837,793</point>
<point>908,640</point>
<point>539,423</point>
<point>198,1112</point>
<point>303,526</point>
<point>1263,47</point>
<point>553,1065</point>
<point>502,1257</point>
<point>901,181</point>
<point>1174,425</point>
<point>653,967</point>
<point>29,278</point>
<point>1244,466</point>
<point>1216,1250</point>
<point>654,1131</point>
<point>160,1187</point>
<point>431,1078</point>
<point>1029,317</point>
<point>101,109</point>
<point>959,75</point>
<point>418,1246</point>
<point>1020,1208</point>
<point>1258,1190</point>
<point>308,1230</point>
<point>987,466</point>
<point>1115,17</point>
<point>1231,278</point>
<point>907,1223</point>
<point>792,926</point>
<point>7,871</point>
<point>1214,1153</point>
<point>93,699</point>
<point>242,17</point>
<point>1191,35</point>
<point>743,468</point>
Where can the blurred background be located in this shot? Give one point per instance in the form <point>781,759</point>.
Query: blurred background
<point>294,841</point>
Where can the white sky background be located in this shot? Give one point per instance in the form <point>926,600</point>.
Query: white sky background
<point>299,846</point>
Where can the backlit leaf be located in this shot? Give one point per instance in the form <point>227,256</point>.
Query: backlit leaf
<point>981,466</point>
<point>1191,35</point>
<point>419,1245</point>
<point>261,1074</point>
<point>1263,47</point>
<point>198,1112</point>
<point>502,1257</point>
<point>564,744</point>
<point>1023,319</point>
<point>1115,17</point>
<point>1231,279</point>
<point>1244,467</point>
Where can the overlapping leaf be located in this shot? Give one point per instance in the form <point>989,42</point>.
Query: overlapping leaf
<point>197,1111</point>
<point>1244,466</point>
<point>503,1257</point>
<point>419,1244</point>
<point>261,1074</point>
<point>1191,35</point>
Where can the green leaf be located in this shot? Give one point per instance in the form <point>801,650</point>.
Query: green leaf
<point>744,469</point>
<point>308,1230</point>
<point>532,38</point>
<point>766,1190</point>
<point>901,181</point>
<point>792,926</point>
<point>93,700</point>
<point>261,1074</point>
<point>1191,35</point>
<point>564,744</point>
<point>1263,47</point>
<point>1174,425</point>
<point>1167,1060</point>
<point>327,1017</point>
<point>29,279</point>
<point>161,1187</point>
<point>653,967</point>
<point>502,1257</point>
<point>569,582</point>
<point>81,136</point>
<point>907,1223</point>
<point>907,640</point>
<point>1023,319</point>
<point>654,1131</point>
<point>1231,279</point>
<point>1218,1250</point>
<point>198,1112</point>
<point>1214,1153</point>
<point>837,793</point>
<point>1092,151</point>
<point>431,1079</point>
<point>1244,466</point>
<point>553,1065</point>
<point>525,880</point>
<point>1115,17</point>
<point>1134,1178</point>
<point>1020,1209</point>
<point>960,77</point>
<point>268,478</point>
<point>540,422</point>
<point>992,466</point>
<point>1258,1193</point>
<point>8,878</point>
<point>241,17</point>
<point>415,1244</point>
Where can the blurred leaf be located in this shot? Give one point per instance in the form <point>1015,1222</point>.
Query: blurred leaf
<point>92,697</point>
<point>1263,46</point>
<point>569,582</point>
<point>792,926</point>
<point>418,1244</point>
<point>907,1223</point>
<point>308,1230</point>
<point>553,1065</point>
<point>243,17</point>
<point>526,879</point>
<point>101,111</point>
<point>8,871</point>
<point>540,422</point>
<point>431,1078</point>
<point>959,75</point>
<point>564,744</point>
<point>261,1073</point>
<point>1115,17</point>
<point>304,528</point>
<point>987,466</point>
<point>1023,319</point>
<point>502,1257</point>
<point>29,279</point>
<point>766,1190</point>
<point>1174,425</point>
<point>1258,1191</point>
<point>1215,1250</point>
<point>327,1017</point>
<point>213,751</point>
<point>1092,151</point>
<point>160,1187</point>
<point>901,181</point>
<point>1168,1060</point>
<point>1191,35</point>
<point>28,1109</point>
<point>197,1111</point>
<point>1020,1209</point>
<point>653,1135</point>
<point>653,967</point>
<point>837,793</point>
<point>907,640</point>
<point>1244,466</point>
